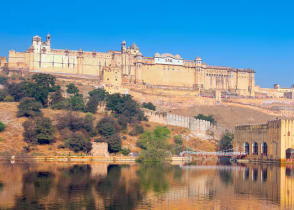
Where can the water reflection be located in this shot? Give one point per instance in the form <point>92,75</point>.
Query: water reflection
<point>102,186</point>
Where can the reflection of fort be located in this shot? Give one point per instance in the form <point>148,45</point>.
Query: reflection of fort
<point>103,186</point>
<point>267,182</point>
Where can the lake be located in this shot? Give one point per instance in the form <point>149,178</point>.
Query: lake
<point>108,186</point>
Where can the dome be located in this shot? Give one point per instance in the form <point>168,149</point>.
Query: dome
<point>157,55</point>
<point>139,54</point>
<point>37,38</point>
<point>134,47</point>
<point>198,59</point>
<point>178,56</point>
<point>124,42</point>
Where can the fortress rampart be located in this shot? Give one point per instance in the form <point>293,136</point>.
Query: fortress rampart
<point>199,126</point>
<point>161,70</point>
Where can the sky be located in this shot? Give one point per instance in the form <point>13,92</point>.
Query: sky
<point>254,34</point>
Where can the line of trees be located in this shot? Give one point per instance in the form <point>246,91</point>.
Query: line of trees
<point>41,91</point>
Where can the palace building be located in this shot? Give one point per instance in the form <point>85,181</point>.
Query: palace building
<point>162,70</point>
<point>271,141</point>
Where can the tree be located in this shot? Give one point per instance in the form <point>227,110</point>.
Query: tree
<point>2,126</point>
<point>71,121</point>
<point>76,103</point>
<point>36,91</point>
<point>209,118</point>
<point>3,94</point>
<point>56,97</point>
<point>92,105</point>
<point>78,143</point>
<point>225,144</point>
<point>178,140</point>
<point>149,105</point>
<point>16,90</point>
<point>29,131</point>
<point>107,127</point>
<point>96,96</point>
<point>39,131</point>
<point>99,94</point>
<point>29,107</point>
<point>154,144</point>
<point>114,143</point>
<point>125,105</point>
<point>3,80</point>
<point>72,89</point>
<point>138,129</point>
<point>46,81</point>
<point>44,130</point>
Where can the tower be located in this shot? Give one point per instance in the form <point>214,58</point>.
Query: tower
<point>123,46</point>
<point>48,40</point>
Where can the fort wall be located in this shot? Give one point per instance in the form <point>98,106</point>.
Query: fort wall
<point>163,70</point>
<point>265,141</point>
<point>199,126</point>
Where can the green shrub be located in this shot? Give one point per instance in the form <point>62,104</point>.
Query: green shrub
<point>72,89</point>
<point>138,129</point>
<point>71,121</point>
<point>3,94</point>
<point>226,142</point>
<point>178,140</point>
<point>16,90</point>
<point>78,143</point>
<point>39,131</point>
<point>3,80</point>
<point>209,118</point>
<point>2,126</point>
<point>107,127</point>
<point>114,143</point>
<point>29,107</point>
<point>63,104</point>
<point>149,105</point>
<point>76,103</point>
<point>125,105</point>
<point>125,151</point>
<point>9,99</point>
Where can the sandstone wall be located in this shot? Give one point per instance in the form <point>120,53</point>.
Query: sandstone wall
<point>199,126</point>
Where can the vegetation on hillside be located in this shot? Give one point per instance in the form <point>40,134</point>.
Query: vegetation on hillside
<point>2,126</point>
<point>209,118</point>
<point>39,131</point>
<point>226,142</point>
<point>77,131</point>
<point>154,145</point>
<point>149,105</point>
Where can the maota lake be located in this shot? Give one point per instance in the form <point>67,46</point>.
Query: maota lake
<point>108,186</point>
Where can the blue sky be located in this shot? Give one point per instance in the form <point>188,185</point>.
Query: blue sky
<point>254,34</point>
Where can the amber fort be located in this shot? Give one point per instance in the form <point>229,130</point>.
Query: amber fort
<point>129,66</point>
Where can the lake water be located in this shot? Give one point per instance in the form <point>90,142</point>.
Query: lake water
<point>103,186</point>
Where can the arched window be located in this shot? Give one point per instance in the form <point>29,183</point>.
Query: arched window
<point>254,174</point>
<point>290,153</point>
<point>264,175</point>
<point>246,148</point>
<point>255,148</point>
<point>264,148</point>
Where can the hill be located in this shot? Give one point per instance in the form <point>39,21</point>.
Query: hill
<point>12,140</point>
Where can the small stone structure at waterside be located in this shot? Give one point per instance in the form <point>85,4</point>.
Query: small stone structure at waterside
<point>99,149</point>
<point>196,125</point>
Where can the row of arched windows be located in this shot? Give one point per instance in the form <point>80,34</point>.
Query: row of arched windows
<point>254,148</point>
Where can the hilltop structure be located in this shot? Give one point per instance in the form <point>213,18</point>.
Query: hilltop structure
<point>270,141</point>
<point>129,66</point>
